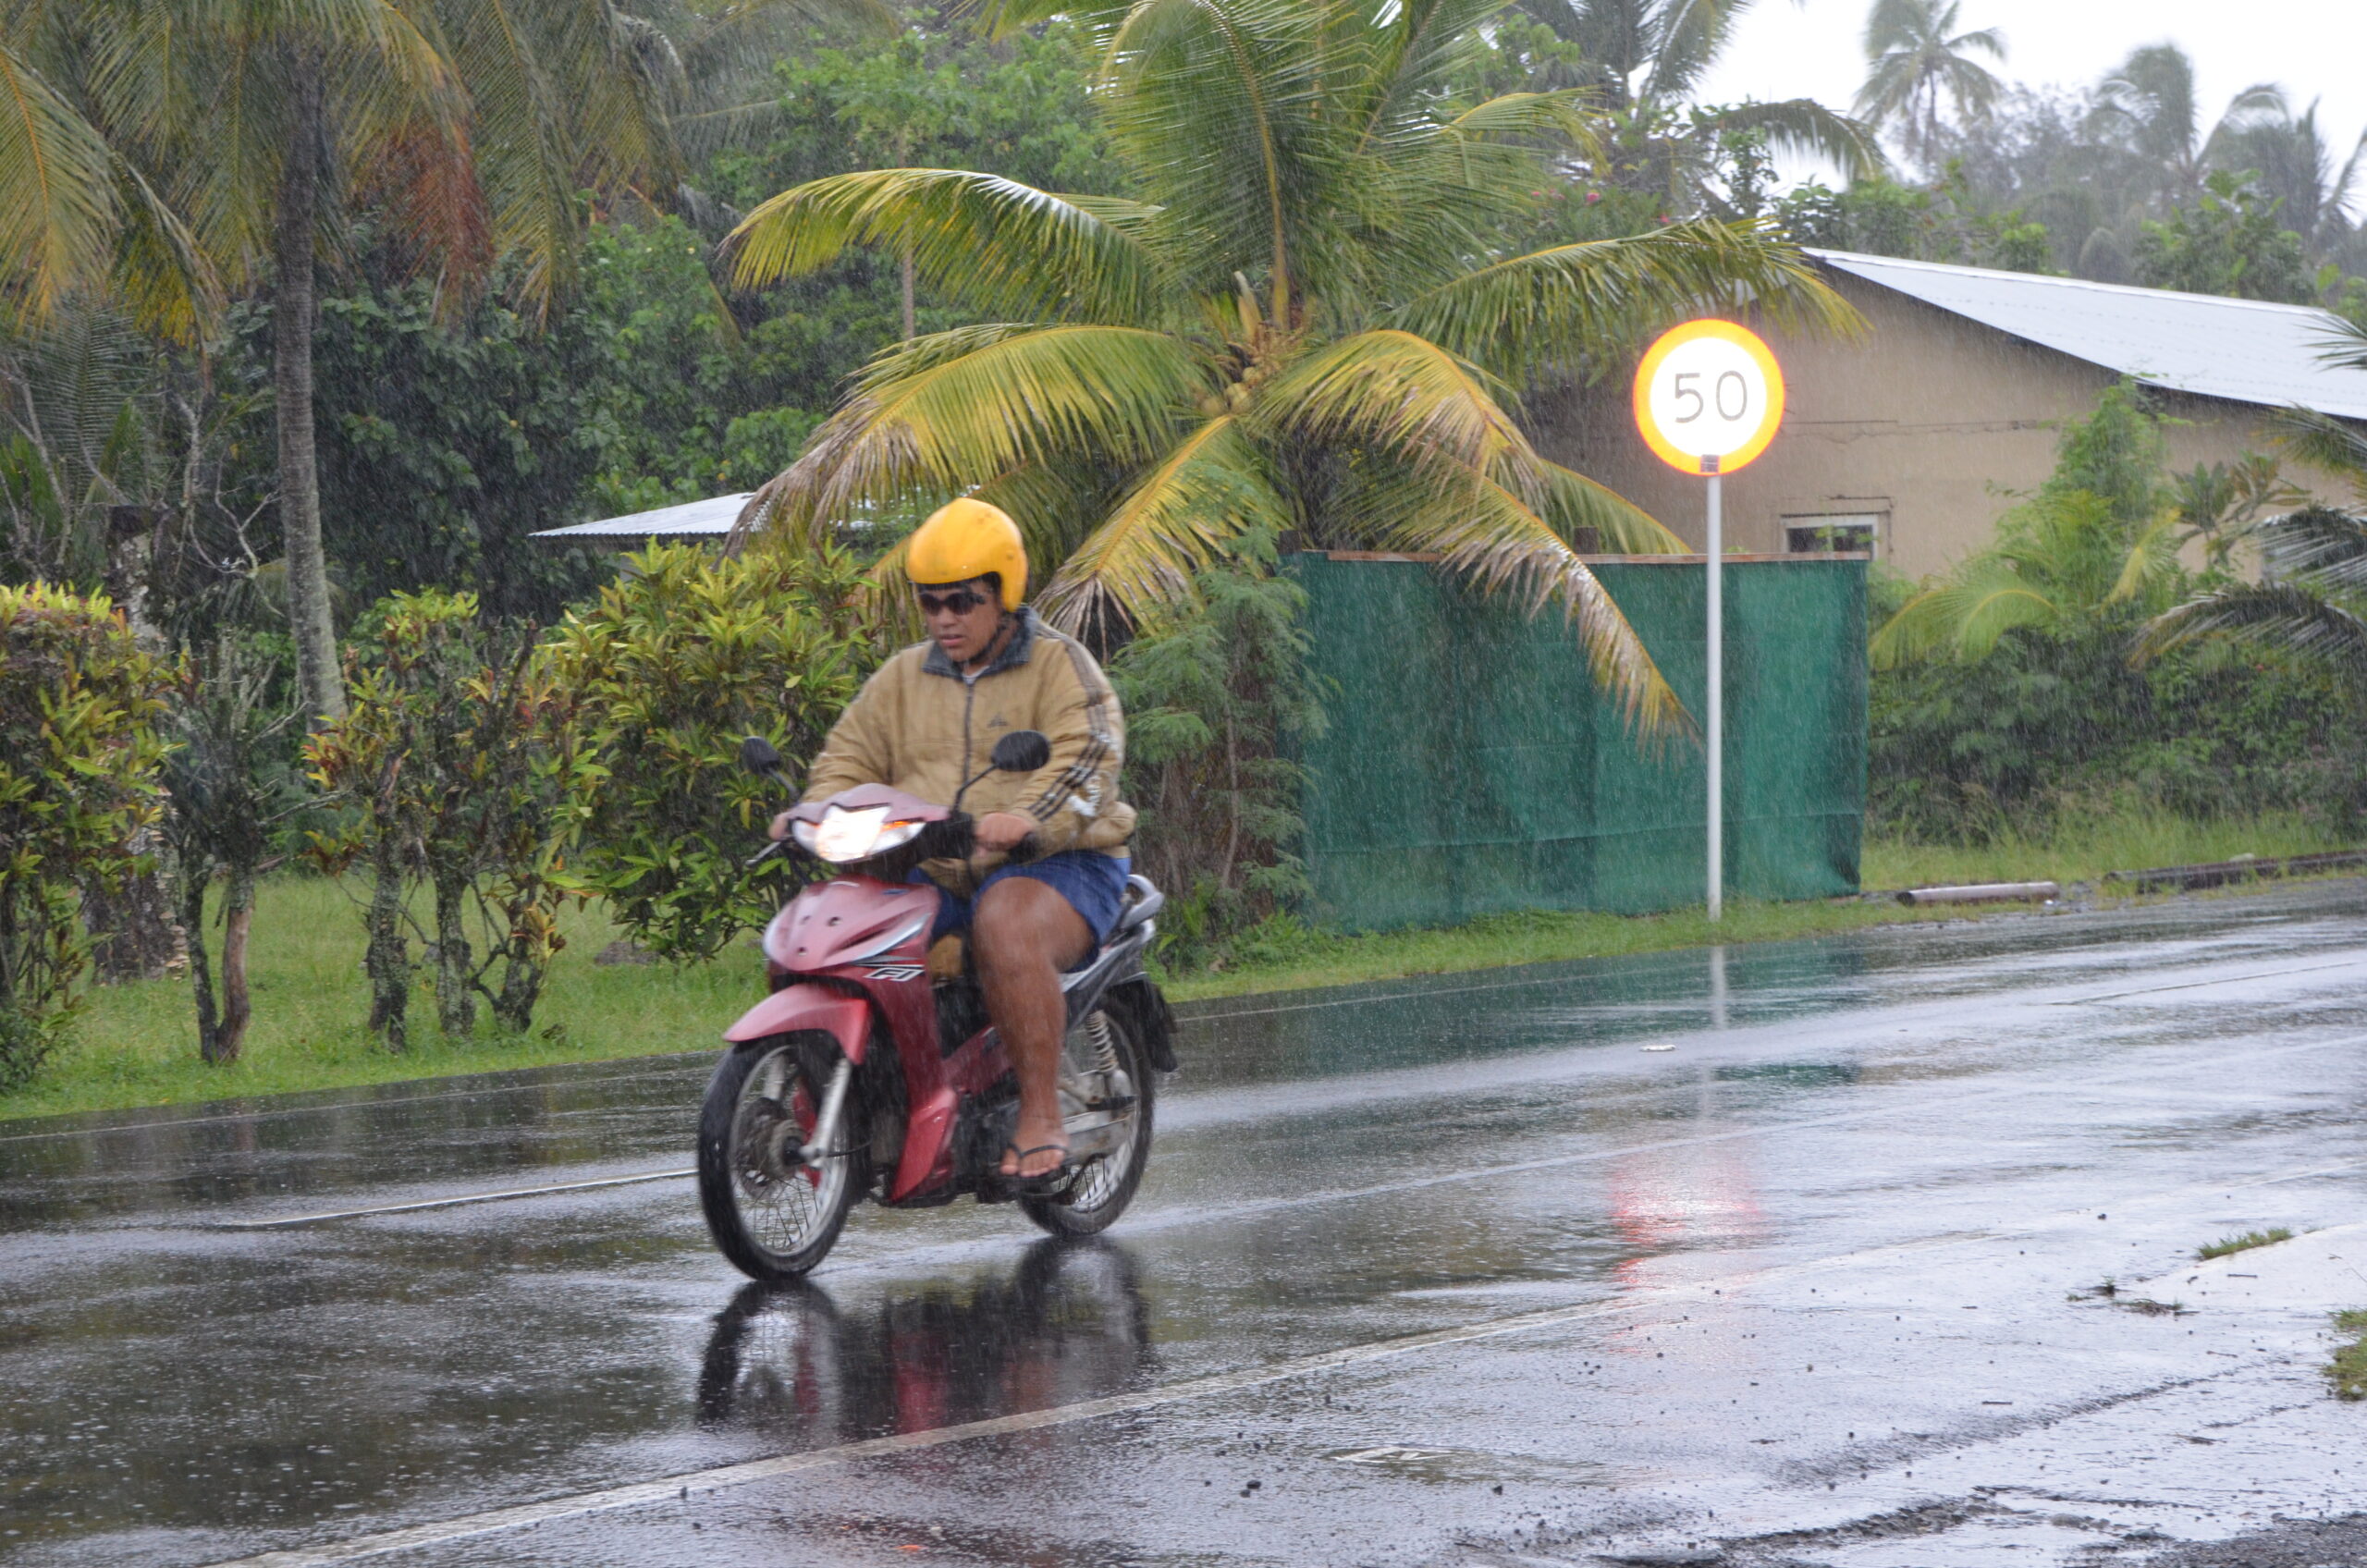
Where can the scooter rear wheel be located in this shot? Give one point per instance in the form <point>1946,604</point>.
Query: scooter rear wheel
<point>774,1215</point>
<point>1102,1057</point>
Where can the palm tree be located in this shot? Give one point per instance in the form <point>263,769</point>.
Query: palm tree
<point>1915,54</point>
<point>2293,161</point>
<point>2148,106</point>
<point>1295,323</point>
<point>1645,63</point>
<point>58,214</point>
<point>474,125</point>
<point>2311,600</point>
<point>2093,544</point>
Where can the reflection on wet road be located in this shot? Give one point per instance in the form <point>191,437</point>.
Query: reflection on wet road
<point>1418,1264</point>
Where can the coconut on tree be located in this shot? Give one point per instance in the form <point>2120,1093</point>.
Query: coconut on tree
<point>1304,316</point>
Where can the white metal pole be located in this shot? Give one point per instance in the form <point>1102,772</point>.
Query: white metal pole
<point>1716,740</point>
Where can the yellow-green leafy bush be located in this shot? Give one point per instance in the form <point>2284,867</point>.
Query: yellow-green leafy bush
<point>79,755</point>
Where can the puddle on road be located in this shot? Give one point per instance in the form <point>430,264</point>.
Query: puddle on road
<point>1463,1466</point>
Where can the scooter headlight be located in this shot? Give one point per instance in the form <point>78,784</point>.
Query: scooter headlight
<point>843,836</point>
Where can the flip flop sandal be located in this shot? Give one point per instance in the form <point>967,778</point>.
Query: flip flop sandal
<point>1043,1183</point>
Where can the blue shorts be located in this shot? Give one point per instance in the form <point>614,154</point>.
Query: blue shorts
<point>1093,883</point>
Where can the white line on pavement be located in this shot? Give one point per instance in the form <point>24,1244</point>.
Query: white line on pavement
<point>444,1203</point>
<point>2199,984</point>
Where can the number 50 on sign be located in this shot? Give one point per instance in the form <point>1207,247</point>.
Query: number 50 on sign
<point>1709,397</point>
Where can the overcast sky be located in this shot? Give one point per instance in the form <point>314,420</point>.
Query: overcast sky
<point>2313,47</point>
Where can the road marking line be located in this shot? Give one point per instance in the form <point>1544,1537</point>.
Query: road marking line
<point>678,1487</point>
<point>2199,984</point>
<point>444,1203</point>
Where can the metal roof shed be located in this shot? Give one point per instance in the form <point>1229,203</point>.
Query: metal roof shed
<point>710,518</point>
<point>2244,351</point>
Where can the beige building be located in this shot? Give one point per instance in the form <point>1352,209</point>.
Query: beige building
<point>1911,439</point>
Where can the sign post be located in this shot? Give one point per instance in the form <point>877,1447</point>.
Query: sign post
<point>1709,398</point>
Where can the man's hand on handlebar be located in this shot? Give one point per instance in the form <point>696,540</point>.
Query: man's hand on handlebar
<point>1002,830</point>
<point>997,830</point>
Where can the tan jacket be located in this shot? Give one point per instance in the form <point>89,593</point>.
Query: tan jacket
<point>920,725</point>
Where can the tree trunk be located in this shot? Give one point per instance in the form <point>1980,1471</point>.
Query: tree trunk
<point>1233,807</point>
<point>522,987</point>
<point>387,959</point>
<point>456,998</point>
<point>238,918</point>
<point>319,680</point>
<point>912,321</point>
<point>201,972</point>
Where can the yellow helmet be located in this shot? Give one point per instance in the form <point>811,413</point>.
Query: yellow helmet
<point>965,539</point>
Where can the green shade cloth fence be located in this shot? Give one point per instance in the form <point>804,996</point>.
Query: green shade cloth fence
<point>1472,767</point>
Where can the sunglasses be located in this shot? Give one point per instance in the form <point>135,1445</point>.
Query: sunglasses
<point>961,601</point>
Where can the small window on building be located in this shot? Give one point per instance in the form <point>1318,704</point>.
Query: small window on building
<point>1821,533</point>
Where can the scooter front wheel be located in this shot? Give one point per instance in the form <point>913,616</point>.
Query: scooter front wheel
<point>770,1211</point>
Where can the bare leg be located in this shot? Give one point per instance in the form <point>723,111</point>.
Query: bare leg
<point>1024,935</point>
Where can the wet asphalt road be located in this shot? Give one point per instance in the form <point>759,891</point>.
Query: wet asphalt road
<point>1465,1271</point>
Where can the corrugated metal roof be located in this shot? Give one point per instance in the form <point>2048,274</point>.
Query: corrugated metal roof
<point>691,519</point>
<point>2239,349</point>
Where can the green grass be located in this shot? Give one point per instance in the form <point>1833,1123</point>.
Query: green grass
<point>2226,1246</point>
<point>136,1045</point>
<point>2347,1371</point>
<point>1537,936</point>
<point>2081,849</point>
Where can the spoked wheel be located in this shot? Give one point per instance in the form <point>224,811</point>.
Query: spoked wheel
<point>771,1213</point>
<point>1106,1104</point>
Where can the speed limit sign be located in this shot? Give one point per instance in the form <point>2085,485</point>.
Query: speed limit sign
<point>1709,397</point>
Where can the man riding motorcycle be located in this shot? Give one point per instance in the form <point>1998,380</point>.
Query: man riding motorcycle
<point>925,723</point>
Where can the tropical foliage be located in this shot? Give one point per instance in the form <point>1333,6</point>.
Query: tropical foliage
<point>2072,552</point>
<point>1915,55</point>
<point>2096,166</point>
<point>668,668</point>
<point>1942,222</point>
<point>1216,702</point>
<point>2229,240</point>
<point>2005,691</point>
<point>228,790</point>
<point>255,129</point>
<point>2309,599</point>
<point>1282,327</point>
<point>79,747</point>
<point>1643,62</point>
<point>456,766</point>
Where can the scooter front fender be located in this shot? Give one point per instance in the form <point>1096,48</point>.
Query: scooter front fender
<point>795,1008</point>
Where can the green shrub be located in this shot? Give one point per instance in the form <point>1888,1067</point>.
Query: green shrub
<point>458,766</point>
<point>677,661</point>
<point>1211,703</point>
<point>2004,693</point>
<point>79,756</point>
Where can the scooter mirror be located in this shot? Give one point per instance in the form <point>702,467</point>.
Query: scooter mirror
<point>1022,751</point>
<point>757,755</point>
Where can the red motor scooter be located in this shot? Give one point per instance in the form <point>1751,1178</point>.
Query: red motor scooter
<point>862,1074</point>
